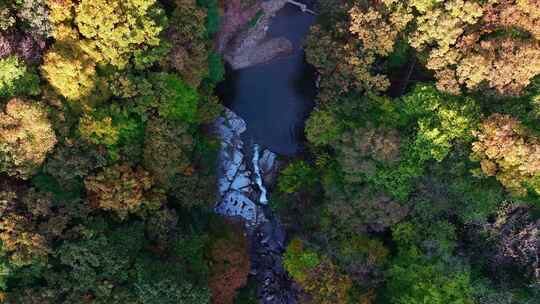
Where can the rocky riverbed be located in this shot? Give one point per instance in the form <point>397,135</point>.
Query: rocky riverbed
<point>244,172</point>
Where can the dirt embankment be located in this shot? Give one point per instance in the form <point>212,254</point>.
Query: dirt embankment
<point>243,35</point>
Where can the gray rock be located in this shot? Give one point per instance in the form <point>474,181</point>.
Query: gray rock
<point>267,161</point>
<point>236,204</point>
<point>223,185</point>
<point>241,181</point>
<point>237,124</point>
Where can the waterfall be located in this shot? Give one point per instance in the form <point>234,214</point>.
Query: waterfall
<point>258,178</point>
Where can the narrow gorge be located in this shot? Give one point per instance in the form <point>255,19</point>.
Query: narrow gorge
<point>269,91</point>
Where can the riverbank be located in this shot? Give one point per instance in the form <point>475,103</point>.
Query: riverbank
<point>244,39</point>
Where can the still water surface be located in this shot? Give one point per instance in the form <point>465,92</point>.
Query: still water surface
<point>275,98</point>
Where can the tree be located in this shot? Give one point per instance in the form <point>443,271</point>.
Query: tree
<point>361,149</point>
<point>297,176</point>
<point>377,33</point>
<point>507,150</point>
<point>117,31</point>
<point>120,128</point>
<point>168,291</point>
<point>167,150</point>
<point>69,70</point>
<point>433,123</point>
<point>120,189</point>
<point>362,257</point>
<point>174,99</point>
<point>346,49</point>
<point>317,275</point>
<point>230,264</point>
<point>343,68</point>
<point>99,131</point>
<point>424,270</point>
<point>360,211</point>
<point>35,13</point>
<point>71,162</point>
<point>26,136</point>
<point>165,94</point>
<point>517,244</point>
<point>22,44</point>
<point>97,263</point>
<point>442,120</point>
<point>189,53</point>
<point>28,224</point>
<point>322,127</point>
<point>416,283</point>
<point>476,45</point>
<point>16,79</point>
<point>7,17</point>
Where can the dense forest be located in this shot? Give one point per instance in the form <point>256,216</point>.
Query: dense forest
<point>419,181</point>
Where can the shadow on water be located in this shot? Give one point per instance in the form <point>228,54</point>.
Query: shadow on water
<point>275,98</point>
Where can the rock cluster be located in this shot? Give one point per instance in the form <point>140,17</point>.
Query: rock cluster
<point>267,248</point>
<point>243,173</point>
<point>240,181</point>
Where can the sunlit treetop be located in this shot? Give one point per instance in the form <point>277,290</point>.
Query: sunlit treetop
<point>26,136</point>
<point>115,31</point>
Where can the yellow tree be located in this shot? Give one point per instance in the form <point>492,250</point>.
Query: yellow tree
<point>115,31</point>
<point>26,136</point>
<point>506,150</point>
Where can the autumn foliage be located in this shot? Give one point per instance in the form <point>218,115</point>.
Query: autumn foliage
<point>26,136</point>
<point>509,152</point>
<point>120,189</point>
<point>230,265</point>
<point>475,45</point>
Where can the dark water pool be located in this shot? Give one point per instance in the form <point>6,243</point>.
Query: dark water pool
<point>275,98</point>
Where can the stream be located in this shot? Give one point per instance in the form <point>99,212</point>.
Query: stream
<point>266,107</point>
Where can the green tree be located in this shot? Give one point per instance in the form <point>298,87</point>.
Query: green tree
<point>167,150</point>
<point>424,270</point>
<point>175,99</point>
<point>16,79</point>
<point>441,120</point>
<point>322,127</point>
<point>297,176</point>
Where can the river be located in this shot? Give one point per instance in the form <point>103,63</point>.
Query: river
<point>275,98</point>
<point>269,104</point>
